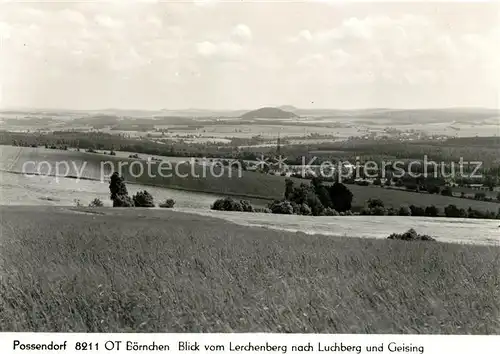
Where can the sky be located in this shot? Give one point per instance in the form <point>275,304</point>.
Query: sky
<point>244,55</point>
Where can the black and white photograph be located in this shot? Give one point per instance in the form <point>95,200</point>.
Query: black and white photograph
<point>315,167</point>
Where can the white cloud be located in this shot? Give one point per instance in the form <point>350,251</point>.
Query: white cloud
<point>231,49</point>
<point>107,21</point>
<point>241,33</point>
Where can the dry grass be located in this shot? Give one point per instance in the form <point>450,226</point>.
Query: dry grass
<point>161,271</point>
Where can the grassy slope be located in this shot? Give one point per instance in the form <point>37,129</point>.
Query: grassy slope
<point>251,184</point>
<point>160,271</point>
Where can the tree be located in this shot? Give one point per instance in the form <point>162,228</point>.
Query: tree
<point>447,191</point>
<point>404,211</point>
<point>341,197</point>
<point>143,200</point>
<point>480,196</point>
<point>431,211</point>
<point>374,202</point>
<point>169,203</point>
<point>498,196</point>
<point>288,188</point>
<point>377,182</point>
<point>281,207</point>
<point>119,193</point>
<point>417,211</point>
<point>96,203</point>
<point>451,211</point>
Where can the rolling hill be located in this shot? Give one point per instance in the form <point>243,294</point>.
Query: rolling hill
<point>268,112</point>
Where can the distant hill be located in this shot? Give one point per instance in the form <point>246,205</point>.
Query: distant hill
<point>268,112</point>
<point>288,108</point>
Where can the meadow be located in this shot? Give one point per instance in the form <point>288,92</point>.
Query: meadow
<point>109,270</point>
<point>251,185</point>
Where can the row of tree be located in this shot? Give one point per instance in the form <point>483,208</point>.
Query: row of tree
<point>377,207</point>
<point>121,198</point>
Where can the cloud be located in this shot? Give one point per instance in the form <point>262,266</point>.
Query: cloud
<point>227,50</point>
<point>221,50</point>
<point>241,33</point>
<point>406,49</point>
<point>107,21</point>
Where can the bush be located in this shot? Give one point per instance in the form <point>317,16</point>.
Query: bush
<point>417,211</point>
<point>143,200</point>
<point>410,235</point>
<point>374,202</point>
<point>246,206</point>
<point>168,203</point>
<point>262,210</point>
<point>447,192</point>
<point>378,210</point>
<point>281,207</point>
<point>392,212</point>
<point>78,203</point>
<point>122,201</point>
<point>451,211</point>
<point>96,203</point>
<point>227,204</point>
<point>365,211</point>
<point>330,212</point>
<point>404,211</point>
<point>431,211</point>
<point>480,196</point>
<point>305,209</point>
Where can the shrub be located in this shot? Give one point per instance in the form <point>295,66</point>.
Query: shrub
<point>305,209</point>
<point>143,200</point>
<point>431,211</point>
<point>392,212</point>
<point>262,210</point>
<point>417,211</point>
<point>410,235</point>
<point>281,207</point>
<point>498,196</point>
<point>378,210</point>
<point>78,203</point>
<point>330,212</point>
<point>404,211</point>
<point>246,206</point>
<point>374,202</point>
<point>480,196</point>
<point>377,182</point>
<point>447,192</point>
<point>227,204</point>
<point>451,211</point>
<point>96,203</point>
<point>168,203</point>
<point>122,201</point>
<point>366,211</point>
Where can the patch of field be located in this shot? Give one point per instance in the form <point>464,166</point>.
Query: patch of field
<point>396,198</point>
<point>204,179</point>
<point>177,176</point>
<point>160,271</point>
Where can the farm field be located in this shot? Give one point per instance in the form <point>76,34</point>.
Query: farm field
<point>36,190</point>
<point>251,185</point>
<point>193,178</point>
<point>161,271</point>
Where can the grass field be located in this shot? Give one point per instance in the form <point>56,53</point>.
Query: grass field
<point>161,271</point>
<point>250,184</point>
